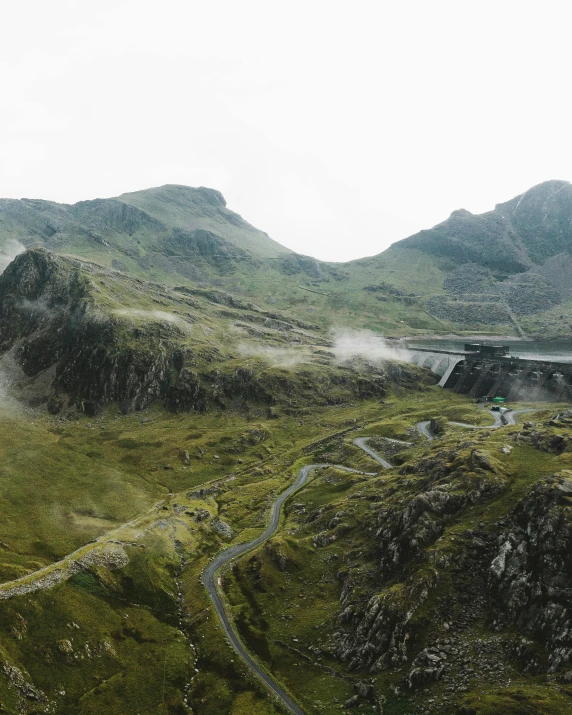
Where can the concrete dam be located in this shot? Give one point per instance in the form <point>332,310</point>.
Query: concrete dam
<point>489,371</point>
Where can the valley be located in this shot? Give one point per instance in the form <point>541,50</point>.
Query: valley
<point>225,489</point>
<point>299,560</point>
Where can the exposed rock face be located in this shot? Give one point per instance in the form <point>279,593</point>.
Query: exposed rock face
<point>381,632</point>
<point>47,312</point>
<point>426,668</point>
<point>513,577</point>
<point>531,573</point>
<point>55,322</point>
<point>544,438</point>
<point>522,232</point>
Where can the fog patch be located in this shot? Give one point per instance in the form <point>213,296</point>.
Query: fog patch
<point>277,357</point>
<point>159,315</point>
<point>35,307</point>
<point>10,373</point>
<point>8,252</point>
<point>365,344</point>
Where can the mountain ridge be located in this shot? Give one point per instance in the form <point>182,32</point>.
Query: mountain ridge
<point>471,272</point>
<point>514,223</point>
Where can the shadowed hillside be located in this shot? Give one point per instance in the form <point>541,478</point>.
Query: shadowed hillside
<point>506,271</point>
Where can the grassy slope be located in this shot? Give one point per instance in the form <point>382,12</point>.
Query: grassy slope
<point>128,656</point>
<point>176,206</point>
<point>308,591</point>
<point>328,294</point>
<point>100,477</point>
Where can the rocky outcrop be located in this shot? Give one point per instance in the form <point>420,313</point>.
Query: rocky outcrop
<point>55,321</point>
<point>530,576</point>
<point>487,311</point>
<point>381,632</point>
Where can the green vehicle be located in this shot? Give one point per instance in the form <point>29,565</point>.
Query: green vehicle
<point>497,403</point>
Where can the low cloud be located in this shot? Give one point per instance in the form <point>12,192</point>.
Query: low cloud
<point>155,315</point>
<point>10,373</point>
<point>278,357</point>
<point>8,252</point>
<point>349,344</point>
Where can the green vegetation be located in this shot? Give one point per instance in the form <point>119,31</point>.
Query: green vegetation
<point>283,597</point>
<point>475,273</point>
<point>156,423</point>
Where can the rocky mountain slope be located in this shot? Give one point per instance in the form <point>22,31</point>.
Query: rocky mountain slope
<point>439,588</point>
<point>510,260</point>
<point>507,270</point>
<point>516,236</point>
<point>75,334</point>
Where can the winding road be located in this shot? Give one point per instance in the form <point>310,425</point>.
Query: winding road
<point>48,576</point>
<point>361,442</point>
<point>509,419</point>
<point>233,552</point>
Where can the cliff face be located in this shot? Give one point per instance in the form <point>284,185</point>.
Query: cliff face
<point>48,316</point>
<point>86,336</point>
<point>530,576</point>
<point>515,236</point>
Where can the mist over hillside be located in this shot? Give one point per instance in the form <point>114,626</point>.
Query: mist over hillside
<point>506,271</point>
<point>221,479</point>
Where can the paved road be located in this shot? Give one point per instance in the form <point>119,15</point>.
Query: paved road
<point>512,415</point>
<point>233,552</point>
<point>423,427</point>
<point>361,442</point>
<point>509,419</point>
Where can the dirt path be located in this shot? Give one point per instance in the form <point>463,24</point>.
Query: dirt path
<point>107,550</point>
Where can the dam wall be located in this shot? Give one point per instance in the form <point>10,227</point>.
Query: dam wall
<point>498,376</point>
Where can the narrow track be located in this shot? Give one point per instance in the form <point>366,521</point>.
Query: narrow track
<point>509,416</point>
<point>232,553</point>
<point>209,577</point>
<point>361,442</point>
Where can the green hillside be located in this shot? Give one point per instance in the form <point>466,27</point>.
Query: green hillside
<point>174,403</point>
<point>504,272</point>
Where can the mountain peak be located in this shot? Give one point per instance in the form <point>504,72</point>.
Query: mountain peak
<point>178,193</point>
<point>515,236</point>
<point>545,191</point>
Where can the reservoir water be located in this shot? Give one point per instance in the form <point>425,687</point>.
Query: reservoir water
<point>560,351</point>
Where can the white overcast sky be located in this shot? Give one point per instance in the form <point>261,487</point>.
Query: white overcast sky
<point>337,127</point>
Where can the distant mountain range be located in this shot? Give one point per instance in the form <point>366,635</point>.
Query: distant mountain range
<point>521,234</point>
<point>505,271</point>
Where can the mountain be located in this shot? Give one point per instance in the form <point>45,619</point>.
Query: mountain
<point>510,263</point>
<point>166,229</point>
<point>74,335</point>
<point>506,271</point>
<point>513,238</point>
<point>208,499</point>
